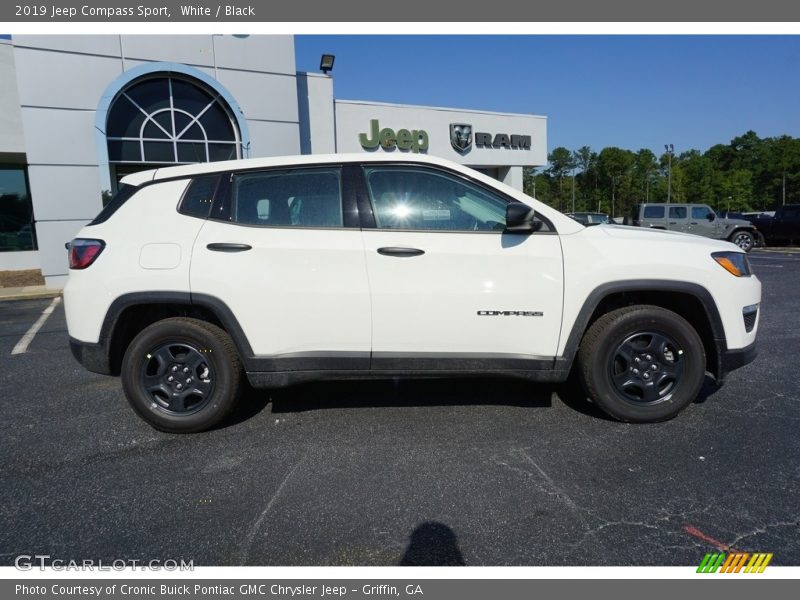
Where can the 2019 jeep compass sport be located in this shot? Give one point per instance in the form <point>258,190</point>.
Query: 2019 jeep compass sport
<point>285,270</point>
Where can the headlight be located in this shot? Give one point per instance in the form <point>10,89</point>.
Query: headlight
<point>734,263</point>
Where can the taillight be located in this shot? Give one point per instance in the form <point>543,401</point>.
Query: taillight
<point>83,252</point>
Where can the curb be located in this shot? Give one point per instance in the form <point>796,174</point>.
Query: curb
<point>32,295</point>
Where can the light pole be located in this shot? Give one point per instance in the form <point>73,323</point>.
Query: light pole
<point>670,151</point>
<point>573,190</point>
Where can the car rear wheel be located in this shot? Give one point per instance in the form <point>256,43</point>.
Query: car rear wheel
<point>182,375</point>
<point>744,239</point>
<point>642,363</point>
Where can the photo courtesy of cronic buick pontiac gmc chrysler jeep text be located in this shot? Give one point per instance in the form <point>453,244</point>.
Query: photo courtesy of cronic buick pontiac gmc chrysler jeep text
<point>195,280</point>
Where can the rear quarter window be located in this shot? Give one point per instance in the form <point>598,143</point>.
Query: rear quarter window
<point>124,194</point>
<point>199,196</point>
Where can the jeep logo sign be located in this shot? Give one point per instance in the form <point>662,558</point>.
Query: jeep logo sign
<point>415,140</point>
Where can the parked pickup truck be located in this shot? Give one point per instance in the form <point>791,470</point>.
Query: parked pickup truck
<point>783,228</point>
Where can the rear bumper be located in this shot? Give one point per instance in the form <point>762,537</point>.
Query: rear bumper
<point>730,360</point>
<point>94,357</point>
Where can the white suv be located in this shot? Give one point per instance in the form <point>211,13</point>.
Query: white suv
<point>293,269</point>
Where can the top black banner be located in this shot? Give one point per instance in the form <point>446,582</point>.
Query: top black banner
<point>263,11</point>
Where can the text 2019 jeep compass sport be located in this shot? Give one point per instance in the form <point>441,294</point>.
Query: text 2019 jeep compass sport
<point>285,270</point>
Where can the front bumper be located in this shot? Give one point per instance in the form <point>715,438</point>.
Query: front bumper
<point>730,360</point>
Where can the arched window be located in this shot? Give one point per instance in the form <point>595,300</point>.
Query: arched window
<point>167,119</point>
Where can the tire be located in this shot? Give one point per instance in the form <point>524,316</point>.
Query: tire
<point>642,364</point>
<point>744,239</point>
<point>182,375</point>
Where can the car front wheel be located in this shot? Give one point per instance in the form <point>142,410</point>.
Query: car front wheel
<point>642,363</point>
<point>182,375</point>
<point>744,239</point>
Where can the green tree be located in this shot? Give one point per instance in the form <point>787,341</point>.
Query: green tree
<point>616,167</point>
<point>561,162</point>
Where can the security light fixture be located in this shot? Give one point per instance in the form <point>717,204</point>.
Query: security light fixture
<point>326,63</point>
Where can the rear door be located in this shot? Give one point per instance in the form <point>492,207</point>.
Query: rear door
<point>451,290</point>
<point>284,254</point>
<point>678,218</point>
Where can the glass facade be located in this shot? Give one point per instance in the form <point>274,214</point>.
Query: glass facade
<point>17,228</point>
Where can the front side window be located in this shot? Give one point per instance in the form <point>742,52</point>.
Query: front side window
<point>700,212</point>
<point>422,199</point>
<point>301,198</point>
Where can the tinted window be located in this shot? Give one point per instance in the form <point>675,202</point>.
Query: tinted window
<point>301,198</point>
<point>677,212</point>
<point>418,198</point>
<point>791,213</point>
<point>197,199</point>
<point>17,230</point>
<point>124,193</point>
<point>653,212</point>
<point>700,212</point>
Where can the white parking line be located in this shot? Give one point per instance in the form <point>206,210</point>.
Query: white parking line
<point>25,341</point>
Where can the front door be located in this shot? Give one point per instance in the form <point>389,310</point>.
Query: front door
<point>450,290</point>
<point>703,222</point>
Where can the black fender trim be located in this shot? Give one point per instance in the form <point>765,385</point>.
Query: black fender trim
<point>644,285</point>
<point>731,360</point>
<point>221,310</point>
<point>93,357</point>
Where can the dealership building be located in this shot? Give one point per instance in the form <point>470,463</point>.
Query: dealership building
<point>78,113</point>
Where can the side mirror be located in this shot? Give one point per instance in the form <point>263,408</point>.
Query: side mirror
<point>519,218</point>
<point>711,216</point>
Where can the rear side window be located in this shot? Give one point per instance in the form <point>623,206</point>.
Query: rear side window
<point>677,212</point>
<point>298,198</point>
<point>124,194</point>
<point>198,197</point>
<point>653,212</point>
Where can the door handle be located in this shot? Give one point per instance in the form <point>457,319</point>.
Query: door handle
<point>228,247</point>
<point>673,222</point>
<point>693,223</point>
<point>400,251</point>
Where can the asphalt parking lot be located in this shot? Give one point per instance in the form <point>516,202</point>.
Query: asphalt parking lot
<point>385,473</point>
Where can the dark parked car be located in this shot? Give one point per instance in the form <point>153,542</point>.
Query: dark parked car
<point>590,218</point>
<point>783,227</point>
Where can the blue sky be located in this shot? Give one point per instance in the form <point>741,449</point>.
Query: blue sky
<point>627,91</point>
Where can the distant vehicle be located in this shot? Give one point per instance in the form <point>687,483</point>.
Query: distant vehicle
<point>590,218</point>
<point>698,219</point>
<point>783,227</point>
<point>25,237</point>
